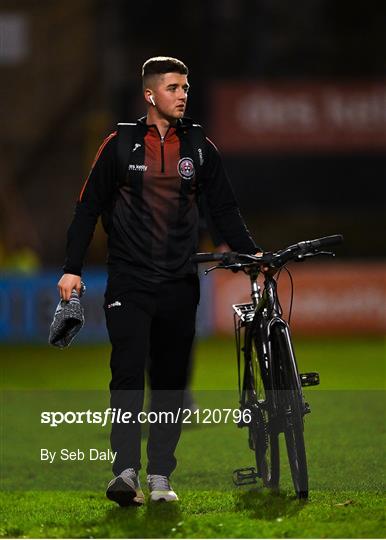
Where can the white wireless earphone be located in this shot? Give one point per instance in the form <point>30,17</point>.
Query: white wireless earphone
<point>151,99</point>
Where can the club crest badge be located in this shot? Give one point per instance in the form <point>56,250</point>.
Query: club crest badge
<point>185,168</point>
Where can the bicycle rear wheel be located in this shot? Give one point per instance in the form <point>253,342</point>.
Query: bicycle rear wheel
<point>263,437</point>
<point>291,401</point>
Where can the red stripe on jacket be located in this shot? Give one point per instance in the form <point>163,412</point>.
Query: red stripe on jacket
<point>100,150</point>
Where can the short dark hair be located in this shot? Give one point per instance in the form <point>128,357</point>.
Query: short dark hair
<point>158,65</point>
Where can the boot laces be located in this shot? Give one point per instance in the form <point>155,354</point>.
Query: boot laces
<point>130,474</point>
<point>158,482</point>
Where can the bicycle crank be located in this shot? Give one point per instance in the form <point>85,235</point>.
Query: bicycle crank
<point>244,477</point>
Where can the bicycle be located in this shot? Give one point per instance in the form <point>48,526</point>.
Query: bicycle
<point>270,386</point>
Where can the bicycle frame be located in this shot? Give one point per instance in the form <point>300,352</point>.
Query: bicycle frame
<point>267,314</point>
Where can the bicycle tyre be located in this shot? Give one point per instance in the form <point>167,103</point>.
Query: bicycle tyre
<point>292,403</point>
<point>263,438</point>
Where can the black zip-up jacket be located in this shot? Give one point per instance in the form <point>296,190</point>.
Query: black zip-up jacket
<point>153,216</point>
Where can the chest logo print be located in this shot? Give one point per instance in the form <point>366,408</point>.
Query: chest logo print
<point>137,168</point>
<point>185,168</point>
<point>136,146</point>
<point>117,303</point>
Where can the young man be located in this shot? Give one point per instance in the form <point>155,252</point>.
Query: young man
<point>152,292</point>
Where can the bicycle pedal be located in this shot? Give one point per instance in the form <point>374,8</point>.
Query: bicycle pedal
<point>309,379</point>
<point>244,477</point>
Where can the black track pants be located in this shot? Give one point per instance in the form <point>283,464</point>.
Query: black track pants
<point>156,324</point>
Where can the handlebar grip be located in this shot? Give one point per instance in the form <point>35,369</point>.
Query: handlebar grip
<point>327,241</point>
<point>206,257</point>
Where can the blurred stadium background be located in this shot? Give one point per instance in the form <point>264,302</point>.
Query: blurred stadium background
<point>293,94</point>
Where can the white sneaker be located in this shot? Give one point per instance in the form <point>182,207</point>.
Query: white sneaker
<point>125,489</point>
<point>160,489</point>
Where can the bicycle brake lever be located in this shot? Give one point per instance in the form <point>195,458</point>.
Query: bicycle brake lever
<point>206,272</point>
<point>234,267</point>
<point>301,258</point>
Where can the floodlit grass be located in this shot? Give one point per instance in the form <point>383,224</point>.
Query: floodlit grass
<point>344,442</point>
<point>199,514</point>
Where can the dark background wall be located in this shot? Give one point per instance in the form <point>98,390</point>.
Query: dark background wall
<point>77,72</point>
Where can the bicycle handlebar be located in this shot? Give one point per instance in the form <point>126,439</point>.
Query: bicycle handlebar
<point>208,257</point>
<point>301,249</point>
<point>324,241</point>
<point>276,260</point>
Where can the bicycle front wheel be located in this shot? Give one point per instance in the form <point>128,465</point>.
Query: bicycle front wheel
<point>263,437</point>
<point>291,402</point>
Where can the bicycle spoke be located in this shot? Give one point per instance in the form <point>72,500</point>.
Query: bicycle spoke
<point>291,403</point>
<point>263,440</point>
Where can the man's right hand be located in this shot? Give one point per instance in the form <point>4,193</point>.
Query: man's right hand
<point>266,269</point>
<point>66,283</point>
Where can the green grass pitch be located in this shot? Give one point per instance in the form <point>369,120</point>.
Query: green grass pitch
<point>344,439</point>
